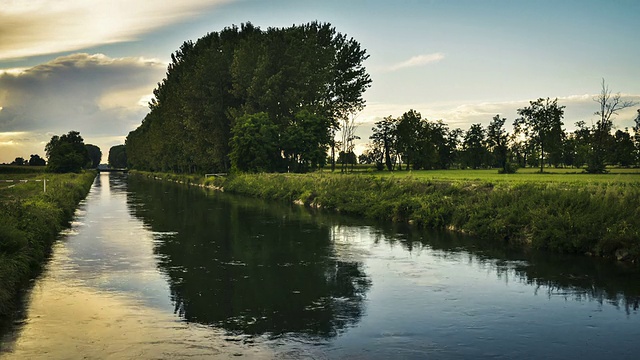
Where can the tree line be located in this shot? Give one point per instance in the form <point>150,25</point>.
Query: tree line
<point>252,100</point>
<point>538,140</point>
<point>65,153</point>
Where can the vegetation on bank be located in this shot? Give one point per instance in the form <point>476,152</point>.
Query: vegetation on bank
<point>30,220</point>
<point>591,215</point>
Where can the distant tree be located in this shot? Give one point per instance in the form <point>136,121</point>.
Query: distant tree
<point>384,137</point>
<point>582,138</point>
<point>36,160</point>
<point>408,134</point>
<point>348,158</point>
<point>118,156</point>
<point>451,155</point>
<point>348,132</point>
<point>601,139</point>
<point>19,161</point>
<point>374,154</point>
<point>497,143</point>
<point>541,122</point>
<point>94,154</point>
<point>474,150</point>
<point>636,136</point>
<point>623,150</point>
<point>66,153</point>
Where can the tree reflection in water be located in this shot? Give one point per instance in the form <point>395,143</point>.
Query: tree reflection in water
<point>573,277</point>
<point>248,267</point>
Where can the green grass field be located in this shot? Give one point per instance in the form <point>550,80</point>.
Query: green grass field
<point>615,175</point>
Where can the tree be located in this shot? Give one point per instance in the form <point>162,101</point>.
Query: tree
<point>636,135</point>
<point>542,123</point>
<point>601,138</point>
<point>19,161</point>
<point>213,83</point>
<point>408,130</point>
<point>94,154</point>
<point>623,150</point>
<point>254,145</point>
<point>497,143</point>
<point>118,157</point>
<point>348,130</point>
<point>384,137</point>
<point>66,153</point>
<point>36,160</point>
<point>305,141</point>
<point>473,145</point>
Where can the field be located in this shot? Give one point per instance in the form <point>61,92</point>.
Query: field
<point>550,175</point>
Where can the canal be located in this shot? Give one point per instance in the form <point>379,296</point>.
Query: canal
<point>157,270</point>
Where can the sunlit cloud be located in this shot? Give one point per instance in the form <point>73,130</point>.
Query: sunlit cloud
<point>94,94</point>
<point>38,27</point>
<point>418,60</point>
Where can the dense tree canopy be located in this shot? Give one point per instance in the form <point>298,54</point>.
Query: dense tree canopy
<point>118,157</point>
<point>295,84</point>
<point>67,153</point>
<point>36,160</point>
<point>94,154</point>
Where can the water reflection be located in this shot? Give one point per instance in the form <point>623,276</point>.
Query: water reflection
<point>249,269</point>
<point>576,278</point>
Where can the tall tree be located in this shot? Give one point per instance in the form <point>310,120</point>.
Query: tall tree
<point>214,83</point>
<point>601,138</point>
<point>408,129</point>
<point>473,145</point>
<point>541,122</point>
<point>384,137</point>
<point>497,142</point>
<point>348,136</point>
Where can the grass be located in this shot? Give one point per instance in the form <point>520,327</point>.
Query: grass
<point>30,220</point>
<point>553,175</point>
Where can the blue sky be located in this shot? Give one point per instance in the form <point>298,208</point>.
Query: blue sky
<point>91,66</point>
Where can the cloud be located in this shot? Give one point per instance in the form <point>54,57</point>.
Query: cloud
<point>38,27</point>
<point>94,94</point>
<point>418,60</point>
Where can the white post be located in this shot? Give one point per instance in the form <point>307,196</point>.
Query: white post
<point>45,185</point>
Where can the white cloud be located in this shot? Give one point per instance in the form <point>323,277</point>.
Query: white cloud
<point>38,27</point>
<point>94,94</point>
<point>418,60</point>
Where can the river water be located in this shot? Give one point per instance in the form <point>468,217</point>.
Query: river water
<point>156,270</point>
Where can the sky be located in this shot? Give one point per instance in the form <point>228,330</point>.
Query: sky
<point>91,65</point>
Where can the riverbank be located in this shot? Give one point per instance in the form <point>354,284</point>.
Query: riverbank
<point>30,220</point>
<point>596,218</point>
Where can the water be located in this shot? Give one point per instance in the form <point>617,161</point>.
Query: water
<point>155,270</point>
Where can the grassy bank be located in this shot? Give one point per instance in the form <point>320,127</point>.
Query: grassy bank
<point>30,220</point>
<point>570,213</point>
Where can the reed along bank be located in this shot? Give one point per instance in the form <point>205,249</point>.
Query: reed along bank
<point>30,221</point>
